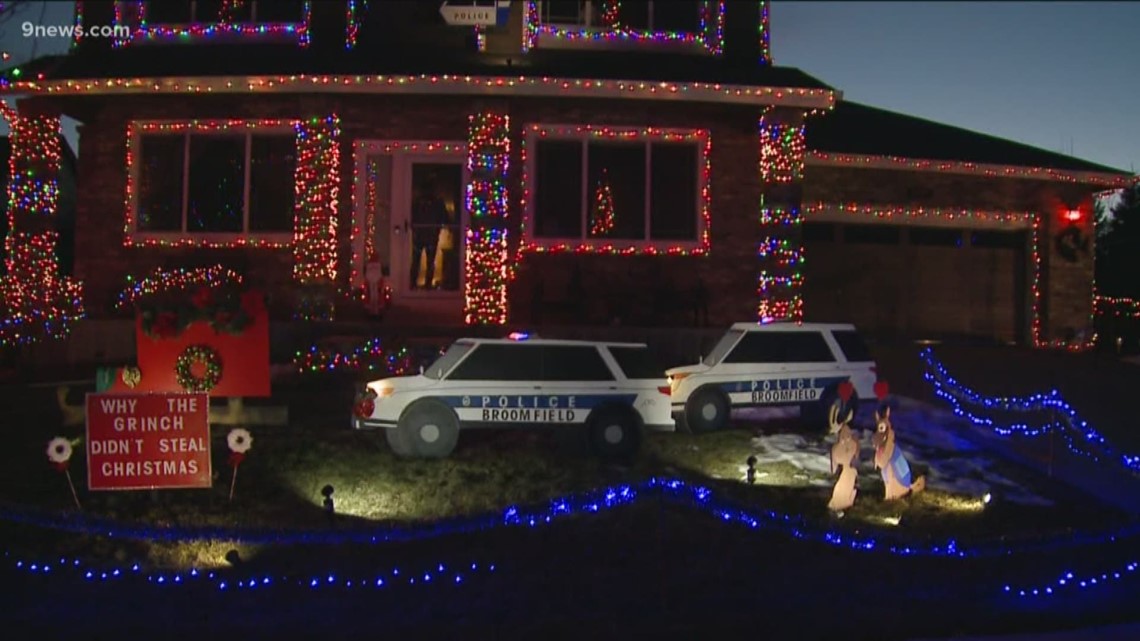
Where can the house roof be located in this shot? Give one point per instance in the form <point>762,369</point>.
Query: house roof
<point>238,60</point>
<point>854,128</point>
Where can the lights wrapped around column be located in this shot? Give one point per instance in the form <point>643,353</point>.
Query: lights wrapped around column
<point>781,253</point>
<point>782,149</point>
<point>36,302</point>
<point>488,267</point>
<point>317,199</point>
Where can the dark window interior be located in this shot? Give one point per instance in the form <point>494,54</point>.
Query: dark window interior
<point>637,363</point>
<point>167,12</point>
<point>216,192</point>
<point>781,347</point>
<point>819,232</point>
<point>159,199</point>
<point>490,362</point>
<point>272,164</point>
<point>677,15</point>
<point>574,363</point>
<point>633,15</point>
<point>997,239</point>
<point>622,165</point>
<point>852,345</point>
<point>558,187</point>
<point>281,10</point>
<point>871,234</point>
<point>673,193</point>
<point>935,236</point>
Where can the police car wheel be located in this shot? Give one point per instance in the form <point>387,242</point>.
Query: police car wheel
<point>398,442</point>
<point>614,434</point>
<point>431,430</point>
<point>706,411</point>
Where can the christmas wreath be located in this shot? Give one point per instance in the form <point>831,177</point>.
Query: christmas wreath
<point>205,355</point>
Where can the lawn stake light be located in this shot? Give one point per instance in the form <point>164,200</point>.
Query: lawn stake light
<point>330,507</point>
<point>752,470</point>
<point>59,453</point>
<point>239,441</point>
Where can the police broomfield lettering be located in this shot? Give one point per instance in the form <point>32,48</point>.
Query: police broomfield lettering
<point>527,415</point>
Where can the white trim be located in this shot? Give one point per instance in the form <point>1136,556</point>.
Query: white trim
<point>898,163</point>
<point>445,84</point>
<point>585,135</point>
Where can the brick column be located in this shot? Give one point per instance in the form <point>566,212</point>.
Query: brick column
<point>780,249</point>
<point>488,266</point>
<point>36,302</point>
<point>1063,294</point>
<point>317,189</point>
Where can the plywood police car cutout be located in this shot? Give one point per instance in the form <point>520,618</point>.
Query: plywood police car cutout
<point>610,389</point>
<point>768,365</point>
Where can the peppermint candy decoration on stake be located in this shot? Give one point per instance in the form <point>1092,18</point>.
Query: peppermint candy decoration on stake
<point>239,441</point>
<point>59,454</point>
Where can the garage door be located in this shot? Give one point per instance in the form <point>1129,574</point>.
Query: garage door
<point>917,282</point>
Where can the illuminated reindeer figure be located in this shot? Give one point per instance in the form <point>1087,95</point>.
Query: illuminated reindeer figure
<point>845,452</point>
<point>889,458</point>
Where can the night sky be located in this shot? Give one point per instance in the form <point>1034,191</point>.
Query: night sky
<point>1056,75</point>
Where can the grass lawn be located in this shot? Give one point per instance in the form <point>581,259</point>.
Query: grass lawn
<point>279,483</point>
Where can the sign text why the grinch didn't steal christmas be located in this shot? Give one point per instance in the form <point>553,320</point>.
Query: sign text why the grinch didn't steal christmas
<point>148,441</point>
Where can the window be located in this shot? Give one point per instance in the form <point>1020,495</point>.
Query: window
<point>641,190</point>
<point>574,363</point>
<point>997,239</point>
<point>645,15</point>
<point>491,362</point>
<point>871,234</point>
<point>636,363</point>
<point>722,347</point>
<point>175,12</point>
<point>781,347</point>
<point>935,236</point>
<point>852,346</point>
<point>215,184</point>
<point>819,232</point>
<point>444,363</point>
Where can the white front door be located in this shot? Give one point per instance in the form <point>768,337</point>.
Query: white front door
<point>410,218</point>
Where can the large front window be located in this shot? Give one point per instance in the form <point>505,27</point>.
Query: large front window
<point>214,185</point>
<point>630,189</point>
<point>647,15</point>
<point>182,12</point>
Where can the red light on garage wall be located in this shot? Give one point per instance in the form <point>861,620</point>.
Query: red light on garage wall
<point>1073,216</point>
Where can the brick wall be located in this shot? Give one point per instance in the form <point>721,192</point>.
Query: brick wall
<point>729,271</point>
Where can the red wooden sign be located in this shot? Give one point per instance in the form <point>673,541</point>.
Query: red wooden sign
<point>148,441</point>
<point>244,358</point>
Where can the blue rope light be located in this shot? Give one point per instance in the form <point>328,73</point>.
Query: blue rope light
<point>1069,581</point>
<point>595,502</point>
<point>438,573</point>
<point>1081,438</point>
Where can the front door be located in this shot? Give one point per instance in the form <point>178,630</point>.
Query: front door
<point>410,218</point>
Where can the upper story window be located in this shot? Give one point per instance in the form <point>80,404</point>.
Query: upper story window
<point>182,21</point>
<point>616,190</point>
<point>213,188</point>
<point>688,24</point>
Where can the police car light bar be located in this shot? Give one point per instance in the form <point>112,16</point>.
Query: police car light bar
<point>518,336</point>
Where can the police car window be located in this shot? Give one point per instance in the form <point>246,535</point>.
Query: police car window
<point>781,347</point>
<point>721,348</point>
<point>854,349</point>
<point>444,363</point>
<point>636,363</point>
<point>491,362</point>
<point>574,363</point>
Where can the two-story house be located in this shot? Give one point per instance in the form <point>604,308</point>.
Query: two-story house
<point>580,162</point>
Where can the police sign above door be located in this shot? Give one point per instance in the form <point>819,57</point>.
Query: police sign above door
<point>458,14</point>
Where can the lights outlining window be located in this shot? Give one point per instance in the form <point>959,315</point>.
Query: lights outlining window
<point>616,190</point>
<point>560,23</point>
<point>191,183</point>
<point>189,21</point>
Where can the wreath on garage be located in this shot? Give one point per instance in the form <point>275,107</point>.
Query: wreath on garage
<point>1071,244</point>
<point>208,357</point>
